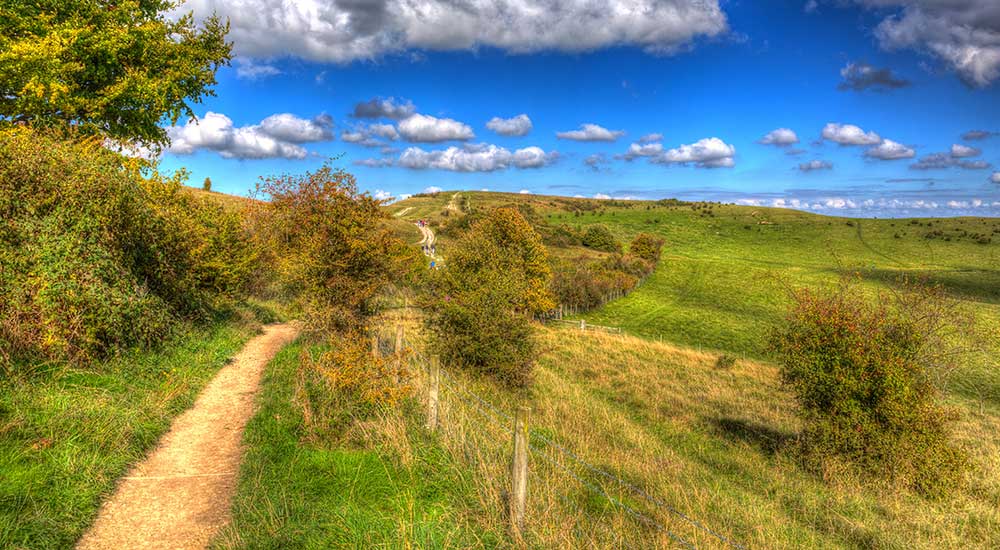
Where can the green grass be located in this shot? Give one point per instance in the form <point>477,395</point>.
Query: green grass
<point>67,433</point>
<point>298,493</point>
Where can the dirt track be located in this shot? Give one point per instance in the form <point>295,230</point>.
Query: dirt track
<point>180,495</point>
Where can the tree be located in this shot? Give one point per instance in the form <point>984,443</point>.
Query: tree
<point>599,237</point>
<point>207,184</point>
<point>647,247</point>
<point>112,68</point>
<point>496,279</point>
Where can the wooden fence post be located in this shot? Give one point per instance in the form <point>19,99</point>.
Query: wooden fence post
<point>583,324</point>
<point>375,344</point>
<point>519,472</point>
<point>560,312</point>
<point>433,386</point>
<point>399,352</point>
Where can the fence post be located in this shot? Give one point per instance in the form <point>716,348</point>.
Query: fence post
<point>433,387</point>
<point>583,324</point>
<point>519,472</point>
<point>375,344</point>
<point>560,312</point>
<point>399,352</point>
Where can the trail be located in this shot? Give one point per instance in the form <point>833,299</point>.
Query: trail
<point>180,495</point>
<point>403,212</point>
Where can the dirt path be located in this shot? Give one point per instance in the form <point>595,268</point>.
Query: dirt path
<point>180,495</point>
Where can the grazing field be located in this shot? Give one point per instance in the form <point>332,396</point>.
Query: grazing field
<point>67,434</point>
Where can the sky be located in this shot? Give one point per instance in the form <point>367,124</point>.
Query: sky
<point>864,108</point>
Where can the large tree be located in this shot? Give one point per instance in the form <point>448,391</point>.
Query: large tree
<point>113,67</point>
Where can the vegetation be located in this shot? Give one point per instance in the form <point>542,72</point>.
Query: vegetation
<point>207,184</point>
<point>67,433</point>
<point>97,258</point>
<point>114,70</point>
<point>361,485</point>
<point>599,237</point>
<point>864,375</point>
<point>497,279</point>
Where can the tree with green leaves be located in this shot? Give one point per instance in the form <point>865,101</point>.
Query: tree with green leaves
<point>106,67</point>
<point>207,184</point>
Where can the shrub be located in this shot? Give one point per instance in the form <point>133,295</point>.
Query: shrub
<point>94,257</point>
<point>497,279</point>
<point>330,248</point>
<point>599,237</point>
<point>725,362</point>
<point>865,374</point>
<point>647,247</point>
<point>207,184</point>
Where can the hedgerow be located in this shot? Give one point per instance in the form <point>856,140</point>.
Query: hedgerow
<point>95,257</point>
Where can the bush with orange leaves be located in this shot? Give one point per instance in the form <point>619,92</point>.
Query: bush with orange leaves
<point>496,280</point>
<point>329,247</point>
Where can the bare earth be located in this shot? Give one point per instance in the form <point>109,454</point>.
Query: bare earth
<point>180,495</point>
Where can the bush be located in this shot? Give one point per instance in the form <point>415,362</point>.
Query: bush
<point>330,247</point>
<point>94,257</point>
<point>865,374</point>
<point>725,362</point>
<point>647,247</point>
<point>599,237</point>
<point>497,279</point>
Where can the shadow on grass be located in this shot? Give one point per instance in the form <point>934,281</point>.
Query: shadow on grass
<point>767,439</point>
<point>971,283</point>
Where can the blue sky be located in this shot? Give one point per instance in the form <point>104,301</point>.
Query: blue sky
<point>877,95</point>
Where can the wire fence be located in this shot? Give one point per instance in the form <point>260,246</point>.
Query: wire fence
<point>629,502</point>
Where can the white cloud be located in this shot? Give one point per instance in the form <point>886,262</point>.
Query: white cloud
<point>524,192</point>
<point>862,76</point>
<point>277,136</point>
<point>385,131</point>
<point>963,151</point>
<point>601,196</point>
<point>649,138</point>
<point>640,149</point>
<point>381,195</point>
<point>249,69</point>
<point>428,129</point>
<point>781,137</point>
<point>995,177</point>
<point>811,6</point>
<point>384,108</point>
<point>965,34</point>
<point>890,150</point>
<point>432,189</point>
<point>374,163</point>
<point>849,134</point>
<point>705,153</point>
<point>815,165</point>
<point>591,132</point>
<point>481,157</point>
<point>346,30</point>
<point>516,126</point>
<point>596,161</point>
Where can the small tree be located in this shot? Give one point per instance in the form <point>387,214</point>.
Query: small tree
<point>866,376</point>
<point>496,280</point>
<point>113,68</point>
<point>207,184</point>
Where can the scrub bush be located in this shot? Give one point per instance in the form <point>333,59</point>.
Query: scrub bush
<point>866,374</point>
<point>599,237</point>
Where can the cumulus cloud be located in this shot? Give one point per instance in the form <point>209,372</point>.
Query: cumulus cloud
<point>277,136</point>
<point>995,177</point>
<point>516,126</point>
<point>849,134</point>
<point>641,149</point>
<point>384,108</point>
<point>342,31</point>
<point>890,150</point>
<point>974,164</point>
<point>475,158</point>
<point>524,192</point>
<point>705,153</point>
<point>964,34</point>
<point>975,135</point>
<point>428,129</point>
<point>862,76</point>
<point>781,137</point>
<point>381,195</point>
<point>815,165</point>
<point>963,151</point>
<point>591,132</point>
<point>812,6</point>
<point>432,189</point>
<point>249,69</point>
<point>649,138</point>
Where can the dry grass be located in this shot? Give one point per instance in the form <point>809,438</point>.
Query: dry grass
<point>710,443</point>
